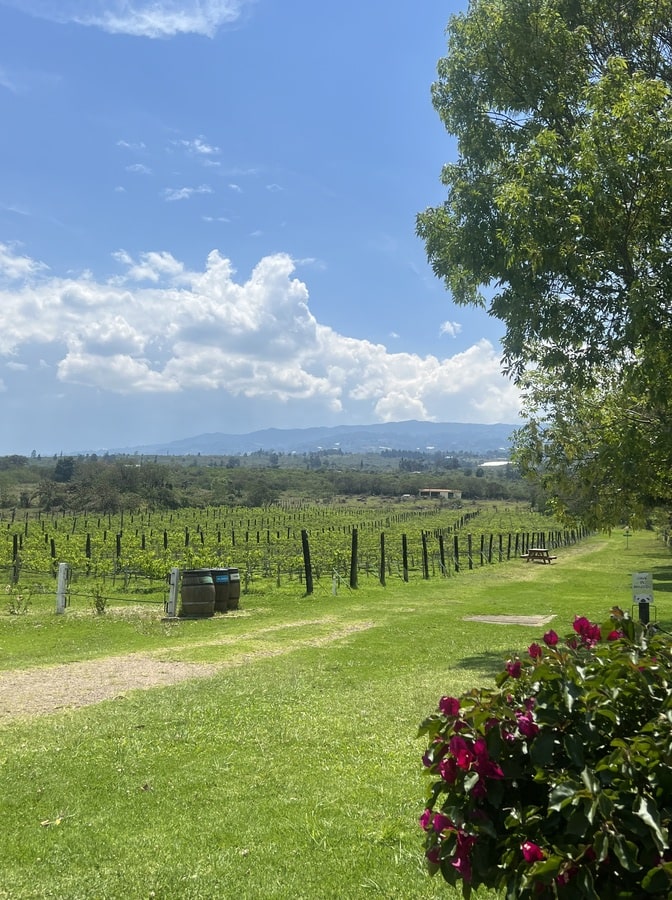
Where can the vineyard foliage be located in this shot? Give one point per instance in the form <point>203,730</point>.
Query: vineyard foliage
<point>264,543</point>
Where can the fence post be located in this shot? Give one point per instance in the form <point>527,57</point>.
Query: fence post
<point>61,587</point>
<point>425,561</point>
<point>171,605</point>
<point>306,561</point>
<point>353,559</point>
<point>381,575</point>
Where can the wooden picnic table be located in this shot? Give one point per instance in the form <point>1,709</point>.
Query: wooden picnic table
<point>538,554</point>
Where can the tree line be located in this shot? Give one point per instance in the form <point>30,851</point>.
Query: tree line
<point>109,485</point>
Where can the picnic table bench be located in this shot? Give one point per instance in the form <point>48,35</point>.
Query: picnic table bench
<point>538,554</point>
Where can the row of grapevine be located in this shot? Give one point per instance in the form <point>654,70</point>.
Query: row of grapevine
<point>274,543</point>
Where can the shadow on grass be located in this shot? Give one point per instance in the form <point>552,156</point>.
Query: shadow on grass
<point>662,578</point>
<point>490,662</point>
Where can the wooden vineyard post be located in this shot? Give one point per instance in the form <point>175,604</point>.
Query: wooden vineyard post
<point>442,555</point>
<point>425,561</point>
<point>16,561</point>
<point>306,561</point>
<point>382,558</point>
<point>353,560</point>
<point>404,555</point>
<point>456,546</point>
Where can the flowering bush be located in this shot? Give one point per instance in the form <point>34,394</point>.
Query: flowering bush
<point>558,781</point>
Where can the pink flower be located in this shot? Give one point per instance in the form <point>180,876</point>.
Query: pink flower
<point>462,751</point>
<point>590,634</point>
<point>535,651</point>
<point>615,635</point>
<point>532,852</point>
<point>485,765</point>
<point>425,819</point>
<point>513,667</point>
<point>462,858</point>
<point>441,822</point>
<point>566,876</point>
<point>526,724</point>
<point>480,748</point>
<point>551,638</point>
<point>448,770</point>
<point>580,624</point>
<point>593,636</point>
<point>449,706</point>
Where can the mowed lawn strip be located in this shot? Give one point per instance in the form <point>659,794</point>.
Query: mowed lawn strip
<point>296,774</point>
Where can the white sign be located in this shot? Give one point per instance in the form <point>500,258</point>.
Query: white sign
<point>642,587</point>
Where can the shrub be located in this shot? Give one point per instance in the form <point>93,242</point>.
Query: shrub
<point>98,602</point>
<point>557,782</point>
<point>18,600</point>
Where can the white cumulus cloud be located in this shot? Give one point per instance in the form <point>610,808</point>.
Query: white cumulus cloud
<point>161,328</point>
<point>142,18</point>
<point>185,193</point>
<point>198,146</point>
<point>450,328</point>
<point>13,266</point>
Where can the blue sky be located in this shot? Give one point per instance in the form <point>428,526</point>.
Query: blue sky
<point>207,223</point>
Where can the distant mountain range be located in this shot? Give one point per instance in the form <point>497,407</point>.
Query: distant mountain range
<point>451,437</point>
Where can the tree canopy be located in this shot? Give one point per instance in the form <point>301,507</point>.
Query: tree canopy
<point>558,215</point>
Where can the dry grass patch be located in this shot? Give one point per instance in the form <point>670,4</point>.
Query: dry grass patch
<point>34,692</point>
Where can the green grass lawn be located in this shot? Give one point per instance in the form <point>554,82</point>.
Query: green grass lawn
<point>295,770</point>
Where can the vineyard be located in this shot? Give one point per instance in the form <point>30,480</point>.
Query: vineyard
<point>129,556</point>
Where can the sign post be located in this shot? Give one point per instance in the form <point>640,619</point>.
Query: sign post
<point>642,594</point>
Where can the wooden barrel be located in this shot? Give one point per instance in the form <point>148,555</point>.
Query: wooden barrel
<point>234,589</point>
<point>197,593</point>
<point>221,579</point>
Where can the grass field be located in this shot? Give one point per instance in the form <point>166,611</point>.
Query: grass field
<point>291,768</point>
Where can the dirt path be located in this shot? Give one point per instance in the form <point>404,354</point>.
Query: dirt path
<point>35,692</point>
